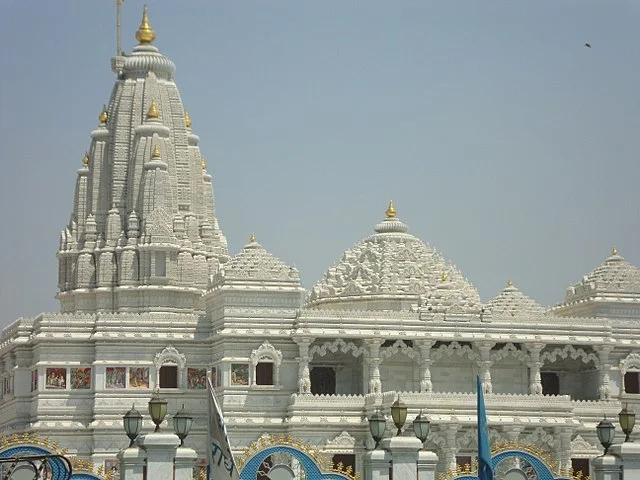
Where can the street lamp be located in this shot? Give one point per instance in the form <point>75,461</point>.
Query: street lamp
<point>182,422</point>
<point>157,409</point>
<point>606,432</point>
<point>399,414</point>
<point>627,418</point>
<point>377,426</point>
<point>132,422</point>
<point>421,426</point>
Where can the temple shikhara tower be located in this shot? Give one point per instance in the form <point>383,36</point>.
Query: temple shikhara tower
<point>151,299</point>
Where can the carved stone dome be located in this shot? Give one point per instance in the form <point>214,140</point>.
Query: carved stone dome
<point>393,270</point>
<point>512,302</point>
<point>615,277</point>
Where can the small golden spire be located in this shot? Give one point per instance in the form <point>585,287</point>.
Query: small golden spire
<point>187,119</point>
<point>391,210</point>
<point>444,275</point>
<point>509,283</point>
<point>153,111</point>
<point>104,116</point>
<point>252,239</point>
<point>614,251</point>
<point>203,164</point>
<point>85,159</point>
<point>156,152</point>
<point>145,33</point>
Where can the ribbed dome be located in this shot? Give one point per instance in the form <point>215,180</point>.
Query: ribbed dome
<point>512,302</point>
<point>255,264</point>
<point>392,270</point>
<point>615,276</point>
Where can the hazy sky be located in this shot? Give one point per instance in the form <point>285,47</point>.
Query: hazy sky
<point>502,140</point>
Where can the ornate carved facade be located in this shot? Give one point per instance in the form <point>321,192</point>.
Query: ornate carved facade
<point>150,299</point>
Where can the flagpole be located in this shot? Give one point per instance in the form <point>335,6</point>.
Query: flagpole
<point>118,5</point>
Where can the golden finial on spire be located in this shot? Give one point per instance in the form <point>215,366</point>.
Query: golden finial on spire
<point>85,159</point>
<point>145,33</point>
<point>509,283</point>
<point>391,210</point>
<point>614,251</point>
<point>104,116</point>
<point>156,152</point>
<point>252,239</point>
<point>444,276</point>
<point>203,164</point>
<point>153,111</point>
<point>187,119</point>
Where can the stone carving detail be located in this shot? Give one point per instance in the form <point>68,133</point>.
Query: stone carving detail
<point>541,438</point>
<point>341,441</point>
<point>567,351</point>
<point>398,347</point>
<point>335,346</point>
<point>454,348</point>
<point>511,302</point>
<point>268,352</point>
<point>509,350</point>
<point>630,363</point>
<point>580,445</point>
<point>169,355</point>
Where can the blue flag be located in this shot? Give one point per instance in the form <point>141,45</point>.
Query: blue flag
<point>485,470</point>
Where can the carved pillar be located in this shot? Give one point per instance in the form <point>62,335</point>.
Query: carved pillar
<point>425,365</point>
<point>604,390</point>
<point>485,364</point>
<point>373,347</point>
<point>304,380</point>
<point>450,448</point>
<point>563,446</point>
<point>535,381</point>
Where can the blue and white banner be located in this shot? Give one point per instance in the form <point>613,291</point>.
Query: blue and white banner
<point>485,470</point>
<point>221,463</point>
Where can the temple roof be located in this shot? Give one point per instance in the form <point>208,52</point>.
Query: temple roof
<point>614,277</point>
<point>392,270</point>
<point>254,264</point>
<point>511,301</point>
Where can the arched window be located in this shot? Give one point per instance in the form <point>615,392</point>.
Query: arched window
<point>266,360</point>
<point>169,365</point>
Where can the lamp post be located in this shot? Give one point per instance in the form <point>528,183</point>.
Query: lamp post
<point>421,425</point>
<point>399,414</point>
<point>627,418</point>
<point>182,422</point>
<point>606,432</point>
<point>157,409</point>
<point>377,426</point>
<point>132,422</point>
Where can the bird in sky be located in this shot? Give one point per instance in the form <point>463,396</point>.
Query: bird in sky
<point>588,45</point>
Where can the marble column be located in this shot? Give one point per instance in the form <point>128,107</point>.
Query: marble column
<point>604,390</point>
<point>304,377</point>
<point>484,348</point>
<point>376,465</point>
<point>607,467</point>
<point>563,446</point>
<point>373,347</point>
<point>424,347</point>
<point>449,432</point>
<point>535,380</point>
<point>184,463</point>
<point>161,449</point>
<point>427,464</point>
<point>404,456</point>
<point>132,463</point>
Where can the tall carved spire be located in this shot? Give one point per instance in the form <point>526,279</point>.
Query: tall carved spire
<point>143,212</point>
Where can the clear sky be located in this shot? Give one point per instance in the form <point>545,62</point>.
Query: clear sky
<point>502,140</point>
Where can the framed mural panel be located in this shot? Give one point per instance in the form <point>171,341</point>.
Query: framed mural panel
<point>239,374</point>
<point>138,377</point>
<point>56,378</point>
<point>80,378</point>
<point>112,466</point>
<point>115,377</point>
<point>196,378</point>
